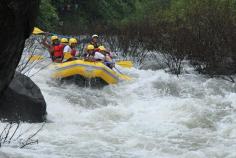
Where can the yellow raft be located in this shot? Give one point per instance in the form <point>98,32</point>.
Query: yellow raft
<point>87,69</point>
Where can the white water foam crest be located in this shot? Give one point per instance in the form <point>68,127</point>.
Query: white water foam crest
<point>154,115</point>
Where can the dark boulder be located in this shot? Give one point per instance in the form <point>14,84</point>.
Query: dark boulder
<point>17,19</point>
<point>22,101</point>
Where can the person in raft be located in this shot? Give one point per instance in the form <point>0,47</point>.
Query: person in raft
<point>64,41</point>
<point>93,54</point>
<point>55,48</point>
<point>99,54</point>
<point>70,52</point>
<point>94,41</point>
<point>108,57</point>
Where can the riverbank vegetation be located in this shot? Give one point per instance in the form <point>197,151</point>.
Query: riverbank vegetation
<point>202,32</point>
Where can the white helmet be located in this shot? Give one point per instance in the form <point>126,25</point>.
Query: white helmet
<point>93,36</point>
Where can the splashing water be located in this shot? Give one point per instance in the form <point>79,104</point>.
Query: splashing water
<point>156,115</point>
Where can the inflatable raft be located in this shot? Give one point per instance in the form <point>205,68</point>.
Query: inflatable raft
<point>87,70</point>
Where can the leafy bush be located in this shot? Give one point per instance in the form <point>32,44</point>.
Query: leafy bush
<point>48,17</point>
<point>203,32</point>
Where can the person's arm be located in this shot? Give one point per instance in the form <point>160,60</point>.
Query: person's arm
<point>48,46</point>
<point>108,58</point>
<point>45,43</point>
<point>85,48</point>
<point>77,54</point>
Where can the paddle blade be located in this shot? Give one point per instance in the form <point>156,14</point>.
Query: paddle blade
<point>37,31</point>
<point>126,64</point>
<point>33,58</point>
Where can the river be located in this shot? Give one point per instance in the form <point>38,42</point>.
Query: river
<point>156,115</point>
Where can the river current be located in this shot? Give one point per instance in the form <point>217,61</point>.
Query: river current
<point>156,115</point>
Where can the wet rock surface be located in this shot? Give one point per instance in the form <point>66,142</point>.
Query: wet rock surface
<point>17,19</point>
<point>22,101</point>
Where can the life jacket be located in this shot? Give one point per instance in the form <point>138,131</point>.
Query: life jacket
<point>73,52</point>
<point>58,51</point>
<point>96,50</point>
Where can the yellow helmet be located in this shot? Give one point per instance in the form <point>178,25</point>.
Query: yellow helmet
<point>102,48</point>
<point>72,40</point>
<point>90,47</point>
<point>64,40</point>
<point>54,38</point>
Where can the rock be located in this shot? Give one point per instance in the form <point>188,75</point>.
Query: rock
<point>17,19</point>
<point>22,101</point>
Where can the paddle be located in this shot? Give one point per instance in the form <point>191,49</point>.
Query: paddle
<point>121,75</point>
<point>37,31</point>
<point>33,58</point>
<point>126,64</point>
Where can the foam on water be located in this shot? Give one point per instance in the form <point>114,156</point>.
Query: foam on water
<point>155,115</point>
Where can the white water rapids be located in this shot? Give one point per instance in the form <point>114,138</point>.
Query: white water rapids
<point>156,115</point>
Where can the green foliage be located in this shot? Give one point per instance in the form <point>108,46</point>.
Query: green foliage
<point>48,17</point>
<point>204,31</point>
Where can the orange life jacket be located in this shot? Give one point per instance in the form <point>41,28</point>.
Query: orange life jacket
<point>58,51</point>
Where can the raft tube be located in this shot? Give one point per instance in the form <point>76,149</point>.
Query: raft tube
<point>88,70</point>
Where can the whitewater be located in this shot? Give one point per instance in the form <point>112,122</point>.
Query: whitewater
<point>156,115</point>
